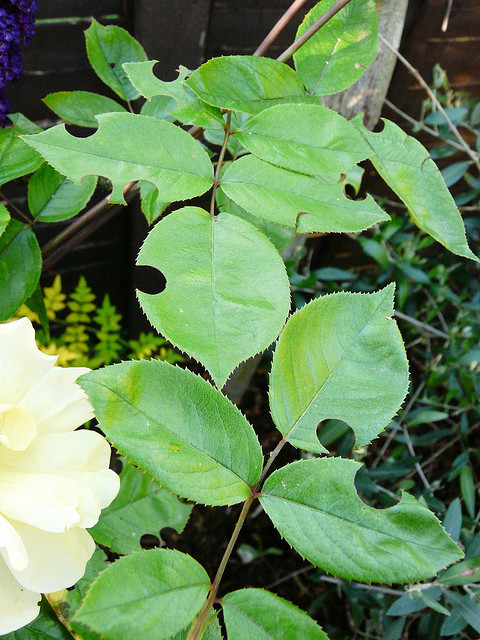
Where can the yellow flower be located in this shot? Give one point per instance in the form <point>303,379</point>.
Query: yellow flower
<point>54,480</point>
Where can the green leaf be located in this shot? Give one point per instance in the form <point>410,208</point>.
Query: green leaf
<point>411,602</point>
<point>150,595</point>
<point>107,49</point>
<point>212,631</point>
<point>467,607</point>
<point>305,138</point>
<point>187,435</point>
<point>17,158</point>
<point>467,487</point>
<point>159,107</point>
<point>20,266</point>
<point>140,507</point>
<point>52,197</point>
<point>341,356</point>
<point>305,203</point>
<point>466,572</point>
<point>455,172</point>
<point>80,107</point>
<point>247,83</point>
<point>340,52</point>
<point>45,627</point>
<point>452,520</point>
<point>453,624</point>
<point>4,218</point>
<point>36,303</point>
<point>120,150</point>
<point>315,506</point>
<point>226,305</point>
<point>151,207</point>
<point>255,614</point>
<point>189,108</point>
<point>407,168</point>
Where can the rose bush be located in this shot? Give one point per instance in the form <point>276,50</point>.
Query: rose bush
<point>54,480</point>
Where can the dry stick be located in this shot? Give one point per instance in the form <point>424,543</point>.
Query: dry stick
<point>279,27</point>
<point>434,99</point>
<point>422,325</point>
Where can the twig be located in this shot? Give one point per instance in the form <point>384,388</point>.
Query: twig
<point>273,34</point>
<point>422,325</point>
<point>434,99</point>
<point>368,587</point>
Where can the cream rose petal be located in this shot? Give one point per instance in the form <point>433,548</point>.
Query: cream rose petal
<point>22,365</point>
<point>11,545</point>
<point>55,560</point>
<point>18,606</point>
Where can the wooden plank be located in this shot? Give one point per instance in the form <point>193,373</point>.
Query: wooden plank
<point>69,8</point>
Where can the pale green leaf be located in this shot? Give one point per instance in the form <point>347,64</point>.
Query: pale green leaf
<point>247,83</point>
<point>17,158</point>
<point>151,207</point>
<point>305,203</point>
<point>340,52</point>
<point>466,607</point>
<point>121,150</point>
<point>212,630</point>
<point>341,356</point>
<point>159,107</point>
<point>4,218</point>
<point>255,614</point>
<point>305,138</point>
<point>406,166</point>
<point>107,49</point>
<point>189,108</point>
<point>140,507</point>
<point>45,627</point>
<point>80,107</point>
<point>185,433</point>
<point>20,266</point>
<point>467,487</point>
<point>53,197</point>
<point>149,595</point>
<point>228,302</point>
<point>315,506</point>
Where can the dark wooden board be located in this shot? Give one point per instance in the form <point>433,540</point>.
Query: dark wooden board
<point>73,8</point>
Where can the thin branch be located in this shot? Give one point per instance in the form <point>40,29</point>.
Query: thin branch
<point>273,34</point>
<point>221,158</point>
<point>422,325</point>
<point>434,99</point>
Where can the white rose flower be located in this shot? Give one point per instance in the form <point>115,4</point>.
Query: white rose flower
<point>54,480</point>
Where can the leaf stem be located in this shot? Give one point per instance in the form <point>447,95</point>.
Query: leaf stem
<point>221,158</point>
<point>311,31</point>
<point>16,209</point>
<point>278,27</point>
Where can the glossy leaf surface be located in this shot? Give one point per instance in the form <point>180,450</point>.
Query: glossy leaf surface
<point>227,294</point>
<point>305,138</point>
<point>150,595</point>
<point>81,107</point>
<point>17,158</point>
<point>255,614</point>
<point>53,197</point>
<point>315,506</point>
<point>180,168</point>
<point>407,168</point>
<point>305,203</point>
<point>341,356</point>
<point>341,51</point>
<point>152,207</point>
<point>173,424</point>
<point>4,218</point>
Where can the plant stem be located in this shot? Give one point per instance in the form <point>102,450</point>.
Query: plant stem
<point>311,31</point>
<point>16,209</point>
<point>221,158</point>
<point>434,99</point>
<point>273,34</point>
<point>202,616</point>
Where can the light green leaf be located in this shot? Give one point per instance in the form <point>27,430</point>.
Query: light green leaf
<point>17,158</point>
<point>305,138</point>
<point>150,595</point>
<point>52,197</point>
<point>315,506</point>
<point>4,218</point>
<point>406,166</point>
<point>20,266</point>
<point>107,49</point>
<point>189,108</point>
<point>45,627</point>
<point>247,83</point>
<point>187,435</point>
<point>80,107</point>
<point>340,52</point>
<point>305,203</point>
<point>466,572</point>
<point>159,107</point>
<point>150,205</point>
<point>212,631</point>
<point>121,150</point>
<point>140,507</point>
<point>255,614</point>
<point>341,356</point>
<point>228,303</point>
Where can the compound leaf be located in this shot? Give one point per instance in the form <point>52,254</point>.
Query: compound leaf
<point>225,305</point>
<point>305,138</point>
<point>406,166</point>
<point>121,150</point>
<point>305,203</point>
<point>341,356</point>
<point>255,614</point>
<point>17,158</point>
<point>185,433</point>
<point>150,595</point>
<point>340,52</point>
<point>314,505</point>
<point>81,107</point>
